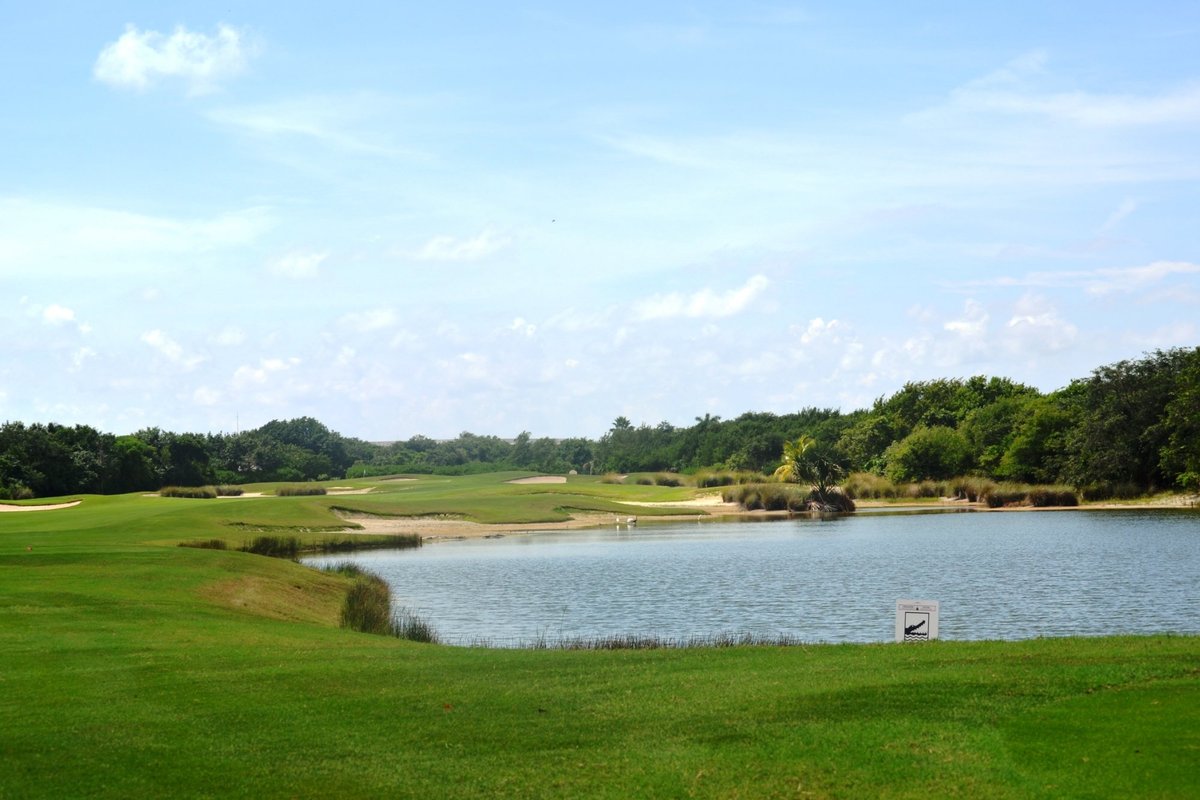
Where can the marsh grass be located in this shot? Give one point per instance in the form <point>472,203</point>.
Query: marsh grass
<point>206,544</point>
<point>189,492</point>
<point>651,642</point>
<point>786,497</point>
<point>230,491</point>
<point>1111,491</point>
<point>292,546</point>
<point>613,478</point>
<point>666,479</point>
<point>348,544</point>
<point>299,490</point>
<point>273,546</point>
<point>368,608</point>
<point>1019,494</point>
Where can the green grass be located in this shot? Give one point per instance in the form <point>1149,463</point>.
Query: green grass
<point>130,667</point>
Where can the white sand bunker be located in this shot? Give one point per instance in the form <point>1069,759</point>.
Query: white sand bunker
<point>347,490</point>
<point>54,507</point>
<point>541,479</point>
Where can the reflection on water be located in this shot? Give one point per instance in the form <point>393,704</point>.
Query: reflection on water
<point>998,576</point>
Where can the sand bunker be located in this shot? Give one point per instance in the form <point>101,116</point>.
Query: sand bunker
<point>54,507</point>
<point>347,490</point>
<point>541,479</point>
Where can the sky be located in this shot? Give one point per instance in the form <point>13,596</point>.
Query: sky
<point>427,218</point>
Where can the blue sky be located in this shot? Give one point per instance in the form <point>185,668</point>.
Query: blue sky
<point>428,218</point>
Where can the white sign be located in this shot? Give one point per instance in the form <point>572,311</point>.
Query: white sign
<point>916,620</point>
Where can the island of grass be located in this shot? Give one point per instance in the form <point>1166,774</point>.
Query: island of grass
<point>131,667</point>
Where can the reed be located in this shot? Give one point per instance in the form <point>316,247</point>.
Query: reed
<point>230,491</point>
<point>274,546</point>
<point>206,544</point>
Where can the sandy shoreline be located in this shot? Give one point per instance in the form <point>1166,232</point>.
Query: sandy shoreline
<point>447,528</point>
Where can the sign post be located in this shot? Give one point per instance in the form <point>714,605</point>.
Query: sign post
<point>916,620</point>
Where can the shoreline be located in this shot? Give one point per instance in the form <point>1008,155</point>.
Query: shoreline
<point>439,529</point>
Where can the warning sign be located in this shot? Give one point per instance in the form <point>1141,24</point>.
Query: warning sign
<point>916,620</point>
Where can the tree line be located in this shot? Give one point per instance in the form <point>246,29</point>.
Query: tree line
<point>1129,427</point>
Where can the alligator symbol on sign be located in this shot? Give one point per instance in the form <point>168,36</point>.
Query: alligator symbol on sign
<point>911,629</point>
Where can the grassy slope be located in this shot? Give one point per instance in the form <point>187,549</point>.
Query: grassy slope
<point>128,668</point>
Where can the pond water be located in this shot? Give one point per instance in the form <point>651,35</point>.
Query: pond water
<point>996,575</point>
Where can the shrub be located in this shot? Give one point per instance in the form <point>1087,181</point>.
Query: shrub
<point>613,478</point>
<point>1007,494</point>
<point>230,491</point>
<point>667,480</point>
<point>644,481</point>
<point>190,492</point>
<point>299,491</point>
<point>16,492</point>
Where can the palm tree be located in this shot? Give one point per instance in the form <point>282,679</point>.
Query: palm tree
<point>803,463</point>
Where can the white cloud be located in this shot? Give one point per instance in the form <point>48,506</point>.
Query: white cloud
<point>69,239</point>
<point>170,349</point>
<point>250,375</point>
<point>80,357</point>
<point>230,337</point>
<point>820,329</point>
<point>139,59</point>
<point>520,326</point>
<point>205,396</point>
<point>972,325</point>
<point>475,248</point>
<point>1011,91</point>
<point>1036,326</point>
<point>704,303</point>
<point>55,314</point>
<point>1101,281</point>
<point>299,266</point>
<point>371,320</point>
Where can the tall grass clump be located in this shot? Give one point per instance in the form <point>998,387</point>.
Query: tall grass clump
<point>1051,496</point>
<point>368,609</point>
<point>206,544</point>
<point>299,491</point>
<point>868,486</point>
<point>230,491</point>
<point>612,477</point>
<point>928,489</point>
<point>1110,491</point>
<point>713,480</point>
<point>274,546</point>
<point>348,544</point>
<point>971,489</point>
<point>190,492</point>
<point>666,479</point>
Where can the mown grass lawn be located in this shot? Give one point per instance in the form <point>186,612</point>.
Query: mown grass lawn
<point>133,668</point>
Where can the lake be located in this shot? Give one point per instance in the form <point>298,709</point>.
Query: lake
<point>997,576</point>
